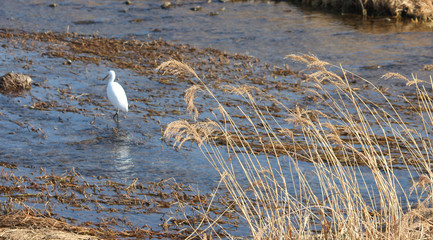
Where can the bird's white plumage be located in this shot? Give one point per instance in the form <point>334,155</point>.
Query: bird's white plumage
<point>116,94</point>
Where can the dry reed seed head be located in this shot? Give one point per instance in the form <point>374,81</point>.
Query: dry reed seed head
<point>182,131</point>
<point>300,117</point>
<point>415,80</point>
<point>331,127</point>
<point>222,111</point>
<point>310,60</point>
<point>335,138</point>
<point>317,65</point>
<point>296,58</point>
<point>175,67</point>
<point>315,93</point>
<point>315,114</point>
<point>189,99</point>
<point>393,75</point>
<point>207,127</point>
<point>417,224</point>
<point>325,75</point>
<point>287,132</point>
<point>423,181</point>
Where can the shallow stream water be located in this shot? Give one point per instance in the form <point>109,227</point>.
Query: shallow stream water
<point>264,29</point>
<point>61,140</point>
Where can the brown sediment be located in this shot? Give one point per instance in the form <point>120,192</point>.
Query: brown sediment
<point>140,56</point>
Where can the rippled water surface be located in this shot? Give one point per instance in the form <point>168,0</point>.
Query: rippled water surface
<point>267,30</point>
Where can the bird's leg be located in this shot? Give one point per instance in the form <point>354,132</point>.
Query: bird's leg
<point>114,116</point>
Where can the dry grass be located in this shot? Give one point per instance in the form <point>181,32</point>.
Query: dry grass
<point>350,190</point>
<point>12,82</point>
<point>27,234</point>
<point>419,9</point>
<point>28,223</point>
<point>189,99</point>
<point>183,131</point>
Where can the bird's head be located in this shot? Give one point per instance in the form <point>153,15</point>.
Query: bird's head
<point>110,76</point>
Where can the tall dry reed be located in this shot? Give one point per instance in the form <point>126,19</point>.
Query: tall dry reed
<point>349,189</point>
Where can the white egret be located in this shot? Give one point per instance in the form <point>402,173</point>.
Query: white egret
<point>116,94</point>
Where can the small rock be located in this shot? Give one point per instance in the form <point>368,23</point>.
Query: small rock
<point>166,5</point>
<point>214,13</point>
<point>196,8</point>
<point>15,82</point>
<point>67,62</point>
<point>128,2</point>
<point>53,5</point>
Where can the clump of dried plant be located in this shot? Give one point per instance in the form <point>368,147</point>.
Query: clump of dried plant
<point>12,82</point>
<point>350,188</point>
<point>419,9</point>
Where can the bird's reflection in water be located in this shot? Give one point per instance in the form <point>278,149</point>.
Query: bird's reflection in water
<point>120,151</point>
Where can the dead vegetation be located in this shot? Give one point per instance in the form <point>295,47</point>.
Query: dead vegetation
<point>23,224</point>
<point>181,209</point>
<point>358,140</point>
<point>417,9</point>
<point>49,233</point>
<point>15,82</point>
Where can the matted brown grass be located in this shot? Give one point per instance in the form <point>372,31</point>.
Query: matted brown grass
<point>28,234</point>
<point>418,9</point>
<point>13,82</point>
<point>23,225</point>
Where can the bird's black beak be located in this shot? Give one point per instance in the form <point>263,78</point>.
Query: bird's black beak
<point>105,78</point>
